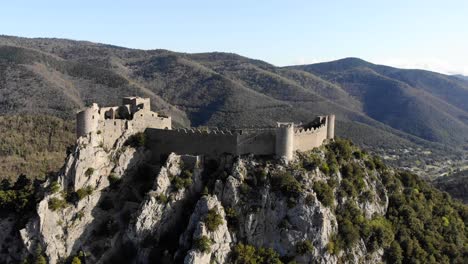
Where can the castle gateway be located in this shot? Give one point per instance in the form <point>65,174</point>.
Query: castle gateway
<point>135,115</point>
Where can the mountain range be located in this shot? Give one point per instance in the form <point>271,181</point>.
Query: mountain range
<point>376,105</point>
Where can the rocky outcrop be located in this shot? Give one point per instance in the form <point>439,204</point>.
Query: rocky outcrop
<point>220,239</point>
<point>165,205</point>
<point>166,211</point>
<point>63,226</point>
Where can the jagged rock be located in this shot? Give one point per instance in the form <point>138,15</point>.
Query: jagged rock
<point>156,216</point>
<point>196,229</point>
<point>64,232</point>
<point>263,215</point>
<point>230,194</point>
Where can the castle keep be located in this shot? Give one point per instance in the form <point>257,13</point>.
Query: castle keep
<point>135,113</point>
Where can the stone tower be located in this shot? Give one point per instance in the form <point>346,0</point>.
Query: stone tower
<point>87,120</point>
<point>330,127</point>
<point>284,146</point>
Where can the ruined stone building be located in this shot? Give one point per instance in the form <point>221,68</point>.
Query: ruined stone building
<point>135,113</point>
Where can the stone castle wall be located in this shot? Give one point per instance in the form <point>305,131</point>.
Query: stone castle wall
<point>280,142</point>
<point>190,141</point>
<point>307,139</point>
<point>135,115</point>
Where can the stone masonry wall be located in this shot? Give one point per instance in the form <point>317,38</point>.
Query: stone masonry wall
<point>310,138</point>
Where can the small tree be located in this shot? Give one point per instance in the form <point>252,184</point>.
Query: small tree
<point>76,260</point>
<point>56,203</point>
<point>304,247</point>
<point>136,140</point>
<point>213,220</point>
<point>203,244</point>
<point>54,187</point>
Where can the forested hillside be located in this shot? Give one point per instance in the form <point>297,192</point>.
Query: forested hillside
<point>409,111</point>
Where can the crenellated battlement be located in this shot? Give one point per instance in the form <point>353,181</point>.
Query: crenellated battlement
<point>135,115</point>
<point>199,131</point>
<point>312,130</point>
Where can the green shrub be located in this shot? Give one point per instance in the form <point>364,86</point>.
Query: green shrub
<point>333,248</point>
<point>83,192</point>
<point>203,244</point>
<point>231,216</point>
<point>162,198</point>
<point>379,164</point>
<point>331,161</point>
<point>341,148</point>
<point>186,174</point>
<point>394,254</point>
<point>324,193</point>
<point>205,191</point>
<point>213,220</point>
<point>348,232</point>
<point>56,203</point>
<point>380,233</point>
<point>54,187</point>
<point>348,187</point>
<point>324,168</point>
<point>304,247</point>
<point>358,154</point>
<point>268,256</point>
<point>89,172</point>
<point>244,254</point>
<point>76,260</point>
<point>247,254</point>
<point>181,183</point>
<point>370,164</point>
<point>137,140</point>
<point>311,161</point>
<point>287,184</point>
<point>184,180</point>
<point>40,260</point>
<point>19,198</point>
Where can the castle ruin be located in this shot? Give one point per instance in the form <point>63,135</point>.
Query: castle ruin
<point>135,113</point>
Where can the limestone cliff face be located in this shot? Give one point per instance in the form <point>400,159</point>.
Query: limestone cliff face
<point>63,231</point>
<point>190,210</point>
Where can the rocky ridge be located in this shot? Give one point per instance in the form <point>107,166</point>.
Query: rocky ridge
<point>189,210</point>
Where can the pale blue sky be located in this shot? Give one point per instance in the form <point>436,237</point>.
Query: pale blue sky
<point>423,34</point>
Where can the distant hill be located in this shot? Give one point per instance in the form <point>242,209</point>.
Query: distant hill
<point>429,105</point>
<point>463,77</point>
<point>405,108</point>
